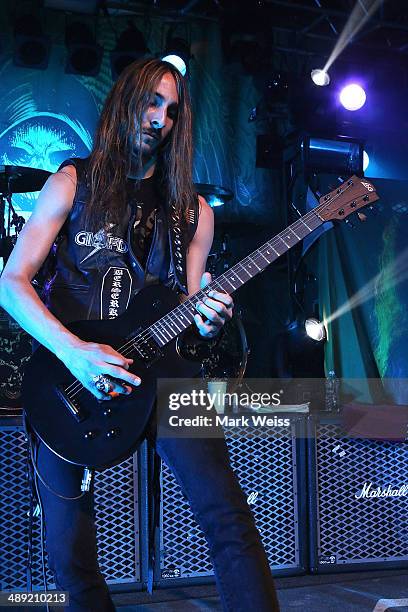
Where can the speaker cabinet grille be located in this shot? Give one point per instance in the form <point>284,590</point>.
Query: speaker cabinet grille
<point>268,470</point>
<point>350,523</point>
<point>116,510</point>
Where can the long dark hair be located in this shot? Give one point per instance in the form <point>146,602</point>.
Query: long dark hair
<point>119,125</point>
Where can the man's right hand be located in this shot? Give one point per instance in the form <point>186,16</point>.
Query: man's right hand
<point>85,360</point>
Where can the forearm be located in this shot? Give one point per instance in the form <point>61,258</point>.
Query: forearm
<point>20,300</point>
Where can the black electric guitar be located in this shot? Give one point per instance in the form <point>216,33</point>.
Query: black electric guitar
<point>84,431</point>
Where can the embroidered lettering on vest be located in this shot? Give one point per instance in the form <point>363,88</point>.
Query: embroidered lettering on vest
<point>116,291</point>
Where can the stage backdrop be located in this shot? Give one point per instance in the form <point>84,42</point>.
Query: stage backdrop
<point>47,115</point>
<point>362,275</point>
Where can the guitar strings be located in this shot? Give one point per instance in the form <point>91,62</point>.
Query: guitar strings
<point>160,324</point>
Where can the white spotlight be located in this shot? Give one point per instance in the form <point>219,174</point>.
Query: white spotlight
<point>315,329</point>
<point>177,62</point>
<point>320,77</point>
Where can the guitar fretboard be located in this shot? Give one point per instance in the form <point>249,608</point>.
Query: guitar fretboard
<point>176,321</point>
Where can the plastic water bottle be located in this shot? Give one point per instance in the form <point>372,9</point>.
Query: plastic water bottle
<point>332,392</point>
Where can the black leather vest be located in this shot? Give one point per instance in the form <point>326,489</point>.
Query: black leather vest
<point>94,275</point>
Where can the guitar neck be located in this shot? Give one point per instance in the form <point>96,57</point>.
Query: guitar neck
<point>172,324</point>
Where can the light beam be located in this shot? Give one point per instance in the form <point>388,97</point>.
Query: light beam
<point>391,275</point>
<point>360,14</point>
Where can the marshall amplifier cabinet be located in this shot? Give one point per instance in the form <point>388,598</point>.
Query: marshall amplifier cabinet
<point>358,500</point>
<point>270,468</point>
<point>116,508</point>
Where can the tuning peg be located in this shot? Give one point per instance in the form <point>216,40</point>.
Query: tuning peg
<point>362,216</point>
<point>373,210</point>
<point>341,179</point>
<point>349,223</point>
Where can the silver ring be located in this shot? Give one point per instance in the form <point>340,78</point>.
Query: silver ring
<point>102,383</point>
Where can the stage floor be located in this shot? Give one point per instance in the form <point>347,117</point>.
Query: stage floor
<point>356,592</point>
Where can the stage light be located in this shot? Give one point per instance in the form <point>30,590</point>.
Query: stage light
<point>352,97</point>
<point>130,47</point>
<point>177,52</point>
<point>302,356</point>
<point>84,56</point>
<point>320,77</point>
<point>315,329</point>
<point>341,155</point>
<point>31,46</point>
<point>177,62</point>
<point>366,161</point>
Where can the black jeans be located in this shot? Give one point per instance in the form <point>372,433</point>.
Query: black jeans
<point>202,469</point>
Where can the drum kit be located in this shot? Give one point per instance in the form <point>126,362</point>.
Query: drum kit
<point>15,343</point>
<point>225,359</point>
<point>15,179</point>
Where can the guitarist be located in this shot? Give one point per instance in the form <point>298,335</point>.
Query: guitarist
<point>102,229</point>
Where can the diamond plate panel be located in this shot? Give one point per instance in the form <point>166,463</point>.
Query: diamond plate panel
<point>266,467</point>
<point>117,522</point>
<point>116,510</point>
<point>364,530</point>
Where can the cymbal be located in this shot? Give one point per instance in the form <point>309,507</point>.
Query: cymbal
<point>206,190</point>
<point>21,179</point>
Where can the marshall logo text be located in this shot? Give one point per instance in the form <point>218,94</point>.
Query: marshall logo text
<point>369,491</point>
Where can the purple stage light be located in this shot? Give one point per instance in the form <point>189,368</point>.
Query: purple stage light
<point>353,97</point>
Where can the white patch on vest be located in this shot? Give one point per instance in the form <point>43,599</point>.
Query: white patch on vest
<point>100,240</point>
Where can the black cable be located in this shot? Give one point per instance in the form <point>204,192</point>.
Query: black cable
<point>41,532</point>
<point>48,487</point>
<point>34,474</point>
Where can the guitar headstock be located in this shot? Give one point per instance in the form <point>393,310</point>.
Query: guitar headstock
<point>348,198</point>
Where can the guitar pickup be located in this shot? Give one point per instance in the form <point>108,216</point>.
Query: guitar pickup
<point>146,348</point>
<point>74,409</point>
<point>148,351</point>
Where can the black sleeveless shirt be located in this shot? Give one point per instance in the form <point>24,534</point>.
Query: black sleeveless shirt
<point>93,275</point>
<point>145,201</point>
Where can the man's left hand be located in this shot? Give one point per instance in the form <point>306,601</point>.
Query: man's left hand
<point>216,310</point>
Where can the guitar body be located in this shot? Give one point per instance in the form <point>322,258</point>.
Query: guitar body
<point>108,431</point>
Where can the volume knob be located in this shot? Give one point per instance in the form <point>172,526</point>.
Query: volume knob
<point>90,435</point>
<point>113,433</point>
